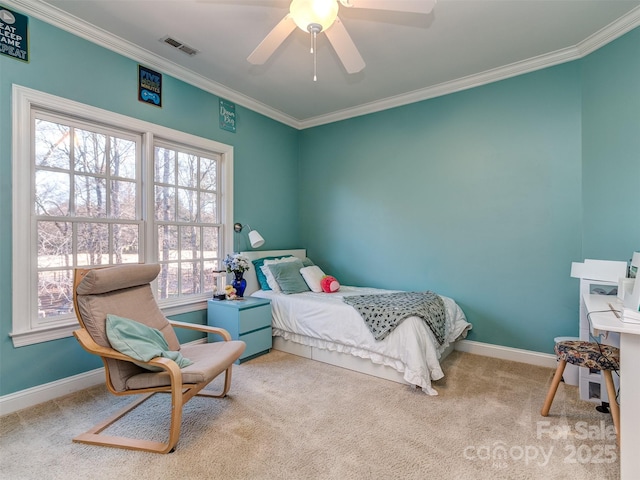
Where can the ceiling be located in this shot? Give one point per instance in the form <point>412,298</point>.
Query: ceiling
<point>409,57</point>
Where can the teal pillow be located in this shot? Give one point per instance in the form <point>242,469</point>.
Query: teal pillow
<point>141,342</point>
<point>306,261</point>
<point>257,264</point>
<point>288,276</point>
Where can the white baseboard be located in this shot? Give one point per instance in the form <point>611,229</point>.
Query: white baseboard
<point>507,353</point>
<point>49,391</point>
<point>52,390</point>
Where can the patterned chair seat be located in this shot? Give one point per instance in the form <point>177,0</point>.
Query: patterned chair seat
<point>588,354</point>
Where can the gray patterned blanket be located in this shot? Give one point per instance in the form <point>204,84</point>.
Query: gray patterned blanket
<point>383,313</point>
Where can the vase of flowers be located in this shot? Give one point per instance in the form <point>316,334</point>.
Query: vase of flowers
<point>239,283</point>
<point>237,264</point>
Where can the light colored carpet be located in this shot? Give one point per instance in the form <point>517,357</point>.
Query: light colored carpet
<point>287,417</point>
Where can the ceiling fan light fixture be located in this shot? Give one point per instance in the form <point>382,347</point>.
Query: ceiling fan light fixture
<point>307,12</point>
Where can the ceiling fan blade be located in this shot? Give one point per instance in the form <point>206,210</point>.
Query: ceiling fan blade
<point>410,6</point>
<point>272,41</point>
<point>344,47</point>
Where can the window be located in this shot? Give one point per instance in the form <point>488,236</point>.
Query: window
<point>86,205</point>
<point>87,196</point>
<point>186,218</point>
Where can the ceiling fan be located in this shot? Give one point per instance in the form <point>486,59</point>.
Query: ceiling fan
<point>316,16</point>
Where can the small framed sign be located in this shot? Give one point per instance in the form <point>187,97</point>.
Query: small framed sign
<point>14,34</point>
<point>227,116</point>
<point>149,86</point>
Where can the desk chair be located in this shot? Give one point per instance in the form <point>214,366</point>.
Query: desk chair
<point>590,355</point>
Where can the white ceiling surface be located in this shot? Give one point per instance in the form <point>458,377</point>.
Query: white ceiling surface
<point>409,57</point>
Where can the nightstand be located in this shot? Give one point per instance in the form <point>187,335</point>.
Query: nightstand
<point>248,320</point>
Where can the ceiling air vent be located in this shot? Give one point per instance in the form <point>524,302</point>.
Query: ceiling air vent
<point>179,45</point>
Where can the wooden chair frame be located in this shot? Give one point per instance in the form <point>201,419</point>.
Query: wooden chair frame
<point>180,393</point>
<point>611,392</point>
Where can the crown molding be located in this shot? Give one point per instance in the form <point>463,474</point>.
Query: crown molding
<point>74,25</point>
<point>599,39</point>
<point>609,33</point>
<point>465,83</point>
<point>87,31</point>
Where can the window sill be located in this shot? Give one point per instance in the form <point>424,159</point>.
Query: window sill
<point>47,334</point>
<point>22,339</point>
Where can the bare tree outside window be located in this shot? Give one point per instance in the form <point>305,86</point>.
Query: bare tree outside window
<point>86,189</point>
<point>187,217</point>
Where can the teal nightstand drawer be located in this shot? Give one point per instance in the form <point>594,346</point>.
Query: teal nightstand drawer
<point>254,318</point>
<point>258,342</point>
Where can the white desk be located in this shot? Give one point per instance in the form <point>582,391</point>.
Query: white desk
<point>602,318</point>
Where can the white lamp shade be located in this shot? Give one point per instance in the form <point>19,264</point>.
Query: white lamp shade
<point>255,239</point>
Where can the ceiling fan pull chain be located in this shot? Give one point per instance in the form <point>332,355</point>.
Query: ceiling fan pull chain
<point>315,77</point>
<point>314,29</point>
<point>311,47</point>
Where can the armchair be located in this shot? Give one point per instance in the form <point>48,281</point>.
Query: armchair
<point>125,291</point>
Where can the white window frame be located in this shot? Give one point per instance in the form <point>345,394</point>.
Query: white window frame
<point>177,222</point>
<point>27,331</point>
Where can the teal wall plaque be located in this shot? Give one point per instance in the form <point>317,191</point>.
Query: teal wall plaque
<point>227,116</point>
<point>14,34</point>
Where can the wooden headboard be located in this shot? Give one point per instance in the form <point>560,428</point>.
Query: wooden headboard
<point>250,276</point>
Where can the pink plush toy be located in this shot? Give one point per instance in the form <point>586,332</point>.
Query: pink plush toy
<point>329,284</point>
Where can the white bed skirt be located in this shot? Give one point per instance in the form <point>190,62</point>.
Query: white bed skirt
<point>345,360</point>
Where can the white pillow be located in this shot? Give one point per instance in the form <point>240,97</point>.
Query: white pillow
<point>271,281</point>
<point>312,275</point>
<point>279,260</point>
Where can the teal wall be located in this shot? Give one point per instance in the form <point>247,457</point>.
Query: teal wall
<point>479,195</point>
<point>265,165</point>
<point>611,149</point>
<point>485,195</point>
<point>475,195</point>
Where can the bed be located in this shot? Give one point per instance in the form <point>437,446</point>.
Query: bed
<point>322,327</point>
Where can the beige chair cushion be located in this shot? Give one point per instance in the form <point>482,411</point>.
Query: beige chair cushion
<point>209,360</point>
<point>125,291</point>
<point>117,277</point>
<point>136,303</point>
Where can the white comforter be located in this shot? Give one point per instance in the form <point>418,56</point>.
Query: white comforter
<point>324,321</point>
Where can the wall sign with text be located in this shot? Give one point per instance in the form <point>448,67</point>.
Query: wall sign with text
<point>14,34</point>
<point>227,115</point>
<point>149,86</point>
